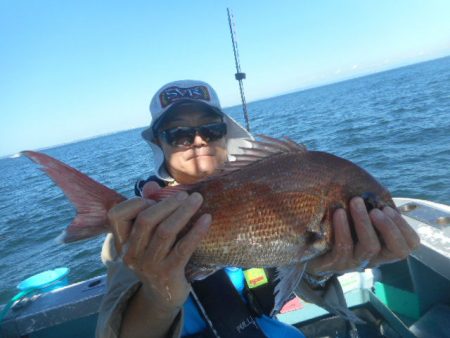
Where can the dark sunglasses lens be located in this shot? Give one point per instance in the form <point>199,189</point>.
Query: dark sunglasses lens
<point>184,136</point>
<point>179,136</point>
<point>214,131</point>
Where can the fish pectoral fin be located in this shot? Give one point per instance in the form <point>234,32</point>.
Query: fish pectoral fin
<point>288,278</point>
<point>331,298</point>
<point>169,191</point>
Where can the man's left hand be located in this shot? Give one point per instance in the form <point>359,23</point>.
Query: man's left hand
<point>383,236</point>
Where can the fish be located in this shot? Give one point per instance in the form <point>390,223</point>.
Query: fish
<point>272,207</point>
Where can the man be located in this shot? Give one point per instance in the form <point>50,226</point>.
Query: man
<point>190,137</point>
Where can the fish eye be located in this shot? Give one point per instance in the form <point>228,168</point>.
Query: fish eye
<point>311,237</point>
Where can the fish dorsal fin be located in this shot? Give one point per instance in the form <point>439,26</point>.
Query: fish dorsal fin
<point>286,145</point>
<point>169,191</point>
<point>259,150</point>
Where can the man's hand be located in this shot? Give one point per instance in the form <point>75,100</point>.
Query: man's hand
<point>146,232</point>
<point>383,236</point>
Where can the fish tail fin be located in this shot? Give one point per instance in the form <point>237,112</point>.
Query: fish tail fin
<point>91,199</point>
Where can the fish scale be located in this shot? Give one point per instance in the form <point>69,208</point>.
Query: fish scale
<point>264,212</point>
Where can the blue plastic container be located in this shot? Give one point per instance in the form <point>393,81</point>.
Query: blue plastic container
<point>45,281</point>
<point>42,282</point>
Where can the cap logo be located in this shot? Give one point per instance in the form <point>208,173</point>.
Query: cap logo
<point>172,94</point>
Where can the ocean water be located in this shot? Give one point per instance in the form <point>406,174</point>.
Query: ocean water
<point>396,124</point>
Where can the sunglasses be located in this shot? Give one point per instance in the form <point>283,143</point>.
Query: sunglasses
<point>184,136</point>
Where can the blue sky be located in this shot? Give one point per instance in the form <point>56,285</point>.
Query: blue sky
<point>76,69</point>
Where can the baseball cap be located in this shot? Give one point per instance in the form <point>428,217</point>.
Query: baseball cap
<point>175,93</point>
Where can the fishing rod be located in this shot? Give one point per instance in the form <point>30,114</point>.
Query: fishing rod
<point>239,75</point>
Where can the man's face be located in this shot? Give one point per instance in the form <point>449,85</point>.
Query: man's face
<point>189,163</point>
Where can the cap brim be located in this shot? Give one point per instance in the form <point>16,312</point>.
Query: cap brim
<point>181,106</point>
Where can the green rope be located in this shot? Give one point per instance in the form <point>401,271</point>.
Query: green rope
<point>12,301</point>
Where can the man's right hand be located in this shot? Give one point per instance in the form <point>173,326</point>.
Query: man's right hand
<point>146,234</point>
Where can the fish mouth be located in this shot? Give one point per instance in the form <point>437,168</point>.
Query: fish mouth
<point>373,201</point>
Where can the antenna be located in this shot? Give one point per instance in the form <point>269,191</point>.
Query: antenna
<point>239,75</point>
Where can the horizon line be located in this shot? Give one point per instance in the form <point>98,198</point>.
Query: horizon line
<point>279,94</point>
